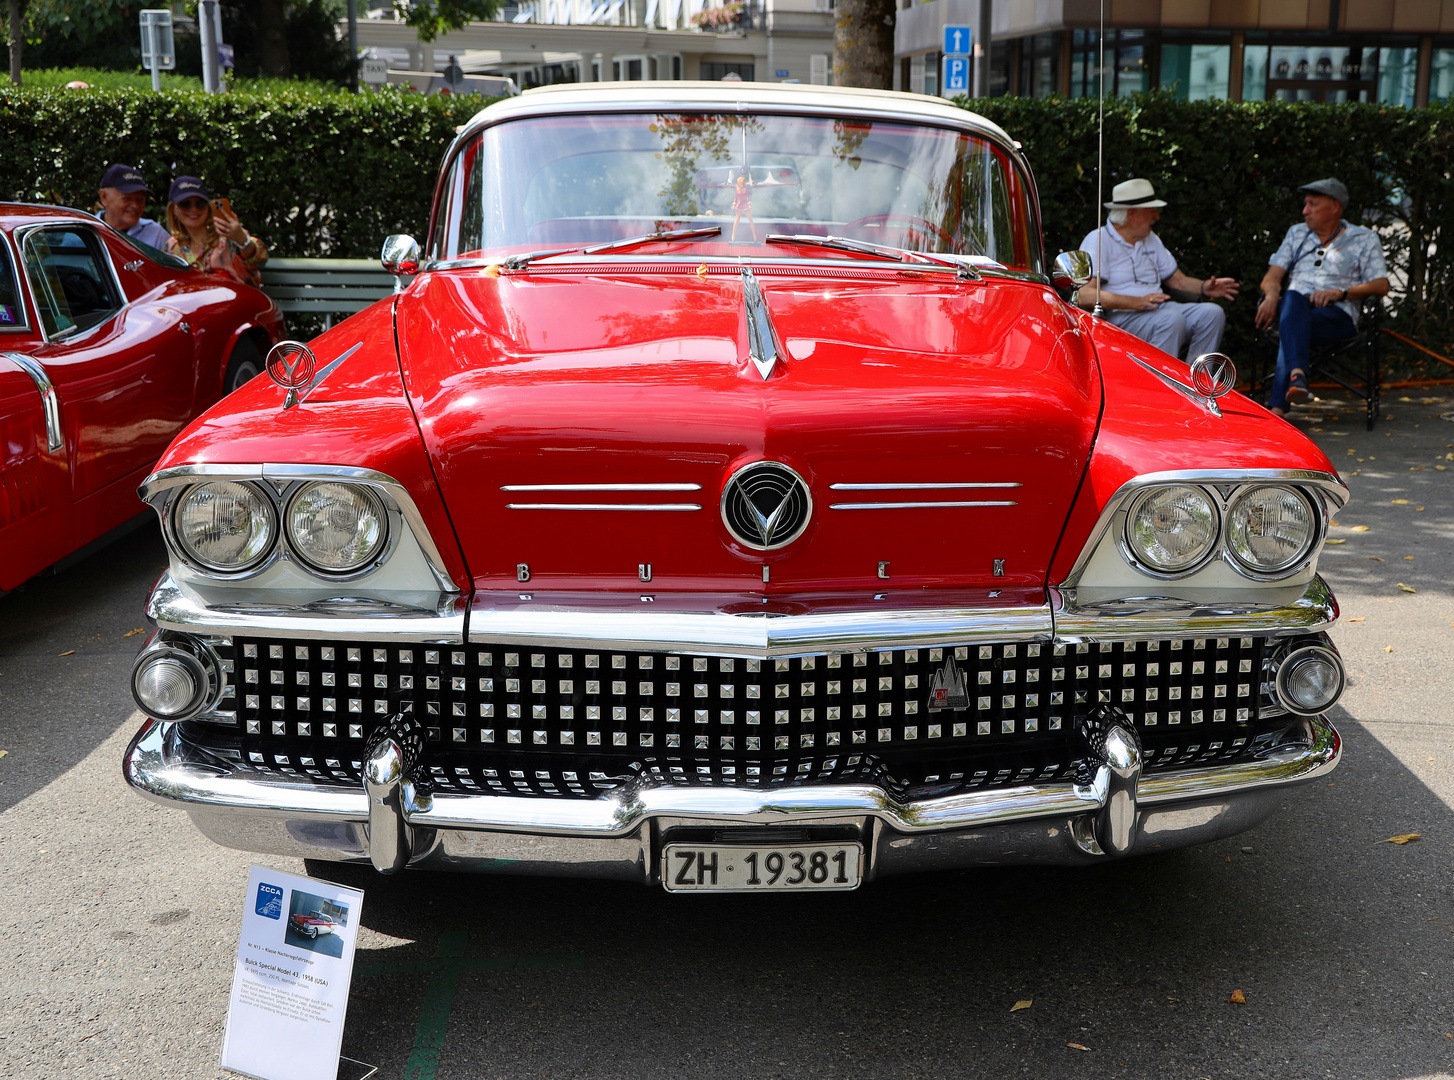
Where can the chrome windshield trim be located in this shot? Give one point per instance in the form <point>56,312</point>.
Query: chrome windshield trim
<point>1329,487</point>
<point>155,487</point>
<point>160,766</point>
<point>50,404</point>
<point>753,635</point>
<point>1084,618</point>
<point>910,505</point>
<point>603,506</point>
<point>601,487</point>
<point>921,487</point>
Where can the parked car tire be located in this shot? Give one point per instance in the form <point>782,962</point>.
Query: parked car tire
<point>245,364</point>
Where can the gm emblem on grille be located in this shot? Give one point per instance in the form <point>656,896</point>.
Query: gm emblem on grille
<point>948,689</point>
<point>766,505</point>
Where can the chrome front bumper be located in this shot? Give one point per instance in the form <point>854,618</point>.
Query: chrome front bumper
<point>620,835</point>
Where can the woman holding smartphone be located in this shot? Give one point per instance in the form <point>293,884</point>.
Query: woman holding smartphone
<point>208,235</point>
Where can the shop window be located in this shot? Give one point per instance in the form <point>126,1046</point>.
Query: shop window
<point>1441,78</point>
<point>1196,72</point>
<point>1397,69</point>
<point>714,70</point>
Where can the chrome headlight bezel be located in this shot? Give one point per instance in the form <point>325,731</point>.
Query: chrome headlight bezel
<point>1141,561</point>
<point>1290,565</point>
<point>296,546</point>
<point>176,535</point>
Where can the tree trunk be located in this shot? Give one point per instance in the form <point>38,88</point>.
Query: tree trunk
<point>863,44</point>
<point>272,39</point>
<point>13,25</point>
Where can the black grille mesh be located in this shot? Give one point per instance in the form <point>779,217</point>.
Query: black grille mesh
<point>517,720</point>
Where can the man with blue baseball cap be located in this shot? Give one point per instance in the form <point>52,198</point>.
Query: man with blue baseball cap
<point>123,200</point>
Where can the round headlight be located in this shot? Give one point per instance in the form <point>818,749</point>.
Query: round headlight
<point>1172,529</point>
<point>1270,528</point>
<point>1310,680</point>
<point>225,526</point>
<point>336,528</point>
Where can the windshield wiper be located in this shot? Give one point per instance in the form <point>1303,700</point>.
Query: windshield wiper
<point>519,262</point>
<point>882,251</point>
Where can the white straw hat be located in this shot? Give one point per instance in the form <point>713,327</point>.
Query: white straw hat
<point>1133,195</point>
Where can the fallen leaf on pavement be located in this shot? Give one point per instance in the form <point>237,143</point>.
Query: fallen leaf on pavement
<point>4,752</point>
<point>1388,648</point>
<point>1402,839</point>
<point>1419,509</point>
<point>1374,558</point>
<point>1078,1046</point>
<point>1416,468</point>
<point>1442,468</point>
<point>1398,502</point>
<point>1360,618</point>
<point>1406,588</point>
<point>68,652</point>
<point>1238,998</point>
<point>1017,1006</point>
<point>1337,541</point>
<point>1360,528</point>
<point>133,633</point>
<point>1408,558</point>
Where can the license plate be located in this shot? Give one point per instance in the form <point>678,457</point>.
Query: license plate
<point>791,868</point>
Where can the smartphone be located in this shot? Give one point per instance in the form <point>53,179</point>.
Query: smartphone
<point>222,204</point>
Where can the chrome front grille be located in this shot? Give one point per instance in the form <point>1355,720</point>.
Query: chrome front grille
<point>564,722</point>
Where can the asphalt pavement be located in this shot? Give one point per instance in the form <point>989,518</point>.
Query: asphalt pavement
<point>121,921</point>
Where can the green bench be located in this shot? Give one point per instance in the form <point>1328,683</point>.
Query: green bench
<point>326,287</point>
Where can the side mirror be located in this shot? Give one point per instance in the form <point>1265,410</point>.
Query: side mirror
<point>1072,270</point>
<point>400,255</point>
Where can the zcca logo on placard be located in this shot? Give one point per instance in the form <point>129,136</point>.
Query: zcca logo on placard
<point>269,900</point>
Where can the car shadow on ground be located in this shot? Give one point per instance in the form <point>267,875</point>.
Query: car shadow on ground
<point>67,641</point>
<point>1326,930</point>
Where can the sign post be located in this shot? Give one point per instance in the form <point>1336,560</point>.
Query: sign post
<point>290,986</point>
<point>157,52</point>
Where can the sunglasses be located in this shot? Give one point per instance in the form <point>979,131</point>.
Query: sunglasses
<point>201,204</point>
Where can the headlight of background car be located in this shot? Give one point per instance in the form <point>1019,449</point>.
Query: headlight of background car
<point>1171,529</point>
<point>1270,528</point>
<point>225,526</point>
<point>336,527</point>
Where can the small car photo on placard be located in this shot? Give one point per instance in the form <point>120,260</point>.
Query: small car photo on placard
<point>315,923</point>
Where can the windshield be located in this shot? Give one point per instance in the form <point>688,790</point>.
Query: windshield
<point>589,179</point>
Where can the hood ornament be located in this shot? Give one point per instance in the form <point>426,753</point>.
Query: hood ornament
<point>763,347</point>
<point>766,505</point>
<point>1213,375</point>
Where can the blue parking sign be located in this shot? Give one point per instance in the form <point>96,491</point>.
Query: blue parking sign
<point>958,41</point>
<point>956,74</point>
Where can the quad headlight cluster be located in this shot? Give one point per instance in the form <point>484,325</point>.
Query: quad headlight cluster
<point>332,528</point>
<point>1265,530</point>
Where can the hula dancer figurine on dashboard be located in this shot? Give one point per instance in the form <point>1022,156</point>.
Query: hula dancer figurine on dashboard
<point>742,201</point>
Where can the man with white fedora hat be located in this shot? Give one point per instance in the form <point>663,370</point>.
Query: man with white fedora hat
<point>1137,275</point>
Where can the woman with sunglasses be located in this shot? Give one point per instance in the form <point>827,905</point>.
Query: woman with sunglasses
<point>1331,266</point>
<point>209,236</point>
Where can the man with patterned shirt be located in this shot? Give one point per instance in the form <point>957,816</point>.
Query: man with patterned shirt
<point>1331,266</point>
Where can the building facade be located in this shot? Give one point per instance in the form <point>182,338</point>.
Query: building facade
<point>1400,52</point>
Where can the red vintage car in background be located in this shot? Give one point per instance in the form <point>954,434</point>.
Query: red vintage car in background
<point>106,351</point>
<point>312,924</point>
<point>730,501</point>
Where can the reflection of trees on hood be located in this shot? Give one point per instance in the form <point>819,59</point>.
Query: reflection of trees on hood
<point>685,141</point>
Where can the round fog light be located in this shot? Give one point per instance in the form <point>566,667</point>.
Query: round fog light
<point>169,684</point>
<point>1310,680</point>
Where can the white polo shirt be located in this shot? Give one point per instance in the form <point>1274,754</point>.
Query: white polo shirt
<point>1131,269</point>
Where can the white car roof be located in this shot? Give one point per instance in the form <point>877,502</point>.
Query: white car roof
<point>633,96</point>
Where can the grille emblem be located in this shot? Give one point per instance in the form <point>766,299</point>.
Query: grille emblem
<point>766,505</point>
<point>947,689</point>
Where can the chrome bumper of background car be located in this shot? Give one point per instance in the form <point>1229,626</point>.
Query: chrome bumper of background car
<point>620,835</point>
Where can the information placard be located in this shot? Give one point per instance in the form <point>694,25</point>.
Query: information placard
<point>290,988</point>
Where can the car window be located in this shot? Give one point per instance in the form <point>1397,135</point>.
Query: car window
<point>71,279</point>
<point>12,308</point>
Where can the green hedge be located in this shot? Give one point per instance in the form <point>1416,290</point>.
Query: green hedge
<point>331,174</point>
<point>312,174</point>
<point>1230,173</point>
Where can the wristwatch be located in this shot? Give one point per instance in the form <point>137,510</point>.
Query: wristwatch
<point>1345,295</point>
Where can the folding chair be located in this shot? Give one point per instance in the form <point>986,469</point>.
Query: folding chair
<point>1355,363</point>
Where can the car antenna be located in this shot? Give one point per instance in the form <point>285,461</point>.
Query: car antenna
<point>1098,311</point>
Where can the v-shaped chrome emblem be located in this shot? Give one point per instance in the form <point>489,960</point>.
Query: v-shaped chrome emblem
<point>763,348</point>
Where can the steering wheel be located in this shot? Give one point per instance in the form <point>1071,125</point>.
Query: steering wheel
<point>910,221</point>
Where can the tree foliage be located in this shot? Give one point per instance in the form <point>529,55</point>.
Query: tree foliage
<point>430,18</point>
<point>1230,172</point>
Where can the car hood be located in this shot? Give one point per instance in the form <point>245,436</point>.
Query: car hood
<point>534,389</point>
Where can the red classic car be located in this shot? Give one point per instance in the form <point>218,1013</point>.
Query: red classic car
<point>730,501</point>
<point>106,351</point>
<point>312,924</point>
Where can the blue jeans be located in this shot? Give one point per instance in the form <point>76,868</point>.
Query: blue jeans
<point>1299,327</point>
